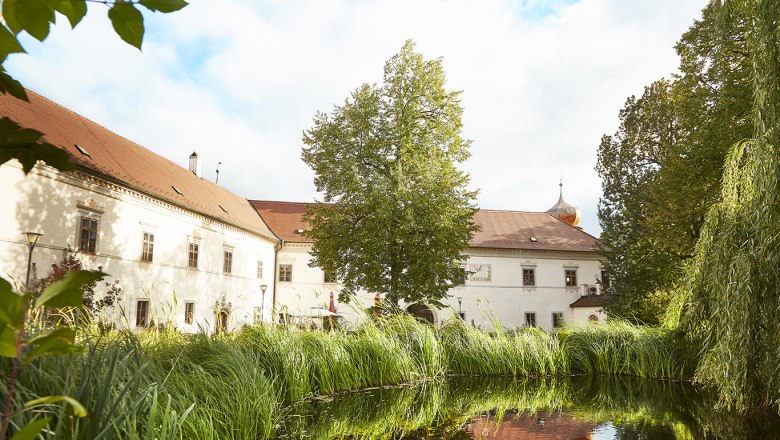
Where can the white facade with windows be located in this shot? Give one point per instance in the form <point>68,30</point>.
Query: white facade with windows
<point>493,292</point>
<point>144,243</point>
<point>191,254</point>
<point>507,284</point>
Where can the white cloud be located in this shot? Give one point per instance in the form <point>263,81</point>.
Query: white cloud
<point>240,80</point>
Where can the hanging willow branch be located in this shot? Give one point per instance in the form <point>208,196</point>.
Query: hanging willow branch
<point>731,300</point>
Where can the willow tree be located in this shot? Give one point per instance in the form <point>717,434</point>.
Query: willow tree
<point>661,171</point>
<point>397,212</point>
<point>732,298</point>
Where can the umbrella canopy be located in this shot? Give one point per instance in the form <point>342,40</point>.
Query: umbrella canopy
<point>317,312</point>
<point>332,306</point>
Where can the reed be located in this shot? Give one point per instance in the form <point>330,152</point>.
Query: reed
<point>241,385</point>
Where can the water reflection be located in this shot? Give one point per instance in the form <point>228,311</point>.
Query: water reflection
<point>540,409</point>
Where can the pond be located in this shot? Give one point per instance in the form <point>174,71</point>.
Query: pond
<point>538,409</point>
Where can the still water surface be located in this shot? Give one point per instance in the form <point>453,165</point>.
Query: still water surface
<point>528,409</point>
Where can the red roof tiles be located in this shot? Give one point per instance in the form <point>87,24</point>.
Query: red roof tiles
<point>499,229</point>
<point>590,301</point>
<point>121,160</point>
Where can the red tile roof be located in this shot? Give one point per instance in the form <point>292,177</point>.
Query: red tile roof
<point>590,301</point>
<point>284,218</point>
<point>123,161</point>
<point>514,229</point>
<point>499,229</point>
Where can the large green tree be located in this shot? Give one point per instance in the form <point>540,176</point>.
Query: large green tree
<point>397,212</point>
<point>731,299</point>
<point>662,170</point>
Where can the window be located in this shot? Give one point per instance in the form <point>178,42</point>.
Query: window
<point>189,311</point>
<point>593,318</point>
<point>259,268</point>
<point>147,248</point>
<point>330,276</point>
<point>529,277</point>
<point>571,277</point>
<point>142,313</point>
<point>461,280</point>
<point>557,319</point>
<point>604,279</point>
<point>530,319</point>
<point>227,262</point>
<point>258,315</point>
<point>88,231</point>
<point>285,273</point>
<point>192,258</point>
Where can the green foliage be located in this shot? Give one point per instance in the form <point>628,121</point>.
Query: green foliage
<point>26,146</point>
<point>661,171</point>
<point>24,347</point>
<point>35,17</point>
<point>730,298</point>
<point>397,213</point>
<point>238,386</point>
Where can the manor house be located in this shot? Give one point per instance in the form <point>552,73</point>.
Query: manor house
<point>193,254</point>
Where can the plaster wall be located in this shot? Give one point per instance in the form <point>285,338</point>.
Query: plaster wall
<point>51,202</point>
<point>493,295</point>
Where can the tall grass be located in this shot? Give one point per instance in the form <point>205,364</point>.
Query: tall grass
<point>241,385</point>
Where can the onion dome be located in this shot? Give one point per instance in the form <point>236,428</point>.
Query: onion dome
<point>564,211</point>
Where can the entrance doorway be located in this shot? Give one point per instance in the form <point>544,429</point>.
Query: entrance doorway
<point>422,312</point>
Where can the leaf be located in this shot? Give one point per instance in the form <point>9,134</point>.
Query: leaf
<point>57,341</point>
<point>78,408</point>
<point>128,23</point>
<point>164,5</point>
<point>7,341</point>
<point>74,10</point>
<point>34,17</point>
<point>12,309</point>
<point>11,86</point>
<point>31,430</point>
<point>9,16</point>
<point>67,291</point>
<point>8,42</point>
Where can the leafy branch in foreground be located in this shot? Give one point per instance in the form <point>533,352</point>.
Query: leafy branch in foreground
<point>24,348</point>
<point>35,18</point>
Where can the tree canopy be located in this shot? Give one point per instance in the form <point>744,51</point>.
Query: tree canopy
<point>661,171</point>
<point>730,300</point>
<point>396,212</point>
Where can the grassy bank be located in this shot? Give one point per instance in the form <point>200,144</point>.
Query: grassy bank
<point>238,386</point>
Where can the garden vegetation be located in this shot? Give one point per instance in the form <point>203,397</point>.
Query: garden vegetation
<point>241,385</point>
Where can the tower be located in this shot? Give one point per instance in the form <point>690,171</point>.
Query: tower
<point>564,211</point>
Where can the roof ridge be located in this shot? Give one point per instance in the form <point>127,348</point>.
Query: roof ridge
<point>282,201</point>
<point>512,210</point>
<point>84,118</point>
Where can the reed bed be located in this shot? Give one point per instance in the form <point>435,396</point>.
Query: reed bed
<point>241,385</point>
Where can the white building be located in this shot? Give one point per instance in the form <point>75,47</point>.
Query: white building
<point>191,253</point>
<point>522,269</point>
<point>185,251</point>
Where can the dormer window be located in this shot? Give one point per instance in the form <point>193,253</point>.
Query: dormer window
<point>223,209</point>
<point>83,151</point>
<point>533,239</point>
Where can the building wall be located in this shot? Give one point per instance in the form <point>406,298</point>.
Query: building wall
<point>487,300</point>
<point>51,203</point>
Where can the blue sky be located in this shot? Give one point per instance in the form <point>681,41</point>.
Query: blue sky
<point>240,80</point>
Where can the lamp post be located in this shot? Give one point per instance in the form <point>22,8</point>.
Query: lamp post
<point>262,301</point>
<point>32,240</point>
<point>460,303</point>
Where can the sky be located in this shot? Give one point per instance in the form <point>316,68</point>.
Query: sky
<point>239,81</point>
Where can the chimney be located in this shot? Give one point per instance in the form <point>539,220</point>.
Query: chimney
<point>195,164</point>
